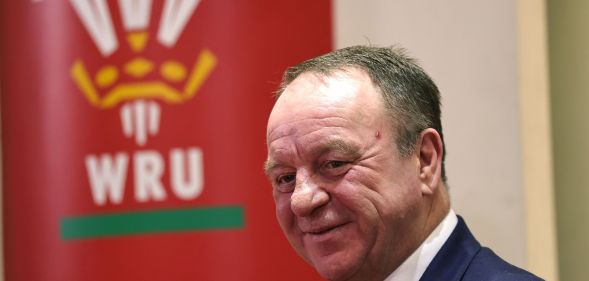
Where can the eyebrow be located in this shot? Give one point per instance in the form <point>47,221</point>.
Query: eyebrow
<point>329,146</point>
<point>338,145</point>
<point>270,165</point>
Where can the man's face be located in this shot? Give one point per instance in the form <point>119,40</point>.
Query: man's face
<point>346,200</point>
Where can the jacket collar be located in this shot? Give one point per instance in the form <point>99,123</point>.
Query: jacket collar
<point>454,257</point>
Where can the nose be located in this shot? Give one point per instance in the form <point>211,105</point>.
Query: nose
<point>307,197</point>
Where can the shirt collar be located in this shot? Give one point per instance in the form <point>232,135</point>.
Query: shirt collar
<point>415,265</point>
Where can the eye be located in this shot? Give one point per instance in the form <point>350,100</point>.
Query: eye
<point>334,164</point>
<point>285,179</point>
<point>335,168</point>
<point>285,183</point>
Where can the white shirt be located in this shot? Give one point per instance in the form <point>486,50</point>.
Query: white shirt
<point>415,265</point>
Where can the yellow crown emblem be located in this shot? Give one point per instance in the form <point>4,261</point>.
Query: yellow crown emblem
<point>139,78</point>
<point>104,88</point>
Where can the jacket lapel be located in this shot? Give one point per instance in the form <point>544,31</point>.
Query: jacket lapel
<point>454,257</point>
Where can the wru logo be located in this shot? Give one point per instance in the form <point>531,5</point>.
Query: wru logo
<point>139,85</point>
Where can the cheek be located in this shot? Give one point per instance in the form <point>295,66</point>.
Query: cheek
<point>364,175</point>
<point>371,199</point>
<point>287,221</point>
<point>284,213</point>
<point>358,202</point>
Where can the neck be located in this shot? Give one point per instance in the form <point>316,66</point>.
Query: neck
<point>433,211</point>
<point>439,206</point>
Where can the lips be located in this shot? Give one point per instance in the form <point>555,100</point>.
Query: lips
<point>321,230</point>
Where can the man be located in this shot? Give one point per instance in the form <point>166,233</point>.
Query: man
<point>356,161</point>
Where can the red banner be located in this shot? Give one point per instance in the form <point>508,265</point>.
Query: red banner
<point>134,137</point>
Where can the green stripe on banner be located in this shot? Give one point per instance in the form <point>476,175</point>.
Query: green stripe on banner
<point>118,224</point>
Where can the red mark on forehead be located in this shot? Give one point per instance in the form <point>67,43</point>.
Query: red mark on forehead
<point>377,134</point>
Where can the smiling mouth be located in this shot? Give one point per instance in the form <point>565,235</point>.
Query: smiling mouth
<point>325,230</point>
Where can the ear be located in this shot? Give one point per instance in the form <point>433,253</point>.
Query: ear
<point>431,150</point>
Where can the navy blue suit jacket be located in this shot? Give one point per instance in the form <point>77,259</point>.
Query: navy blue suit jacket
<point>462,258</point>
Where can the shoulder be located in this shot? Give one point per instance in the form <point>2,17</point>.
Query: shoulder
<point>462,258</point>
<point>487,266</point>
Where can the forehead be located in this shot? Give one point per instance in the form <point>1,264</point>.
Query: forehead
<point>312,95</point>
<point>321,113</point>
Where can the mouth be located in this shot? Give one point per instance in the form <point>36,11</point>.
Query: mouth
<point>320,242</point>
<point>322,231</point>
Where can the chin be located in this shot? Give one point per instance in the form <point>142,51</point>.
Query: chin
<point>335,267</point>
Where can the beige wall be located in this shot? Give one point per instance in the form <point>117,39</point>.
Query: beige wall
<point>470,48</point>
<point>535,134</point>
<point>569,60</point>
